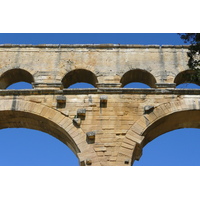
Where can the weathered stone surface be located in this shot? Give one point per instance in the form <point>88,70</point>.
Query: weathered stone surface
<point>91,135</point>
<point>126,118</point>
<point>103,98</point>
<point>61,99</point>
<point>77,121</point>
<point>148,109</point>
<point>81,112</point>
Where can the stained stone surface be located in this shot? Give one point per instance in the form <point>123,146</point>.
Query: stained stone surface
<point>128,118</point>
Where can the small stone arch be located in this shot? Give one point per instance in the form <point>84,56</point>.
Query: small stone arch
<point>138,75</point>
<point>13,76</point>
<point>79,75</point>
<point>184,77</point>
<point>170,115</point>
<point>18,113</point>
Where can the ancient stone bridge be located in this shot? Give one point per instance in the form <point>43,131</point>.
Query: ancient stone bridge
<point>108,124</point>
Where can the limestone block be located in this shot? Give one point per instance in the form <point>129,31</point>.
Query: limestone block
<point>125,151</point>
<point>103,99</point>
<point>129,141</point>
<point>148,109</point>
<point>58,117</point>
<point>81,112</point>
<point>77,121</point>
<point>79,138</point>
<point>88,162</point>
<point>100,149</point>
<point>91,135</point>
<point>61,99</point>
<point>135,137</point>
<point>128,146</point>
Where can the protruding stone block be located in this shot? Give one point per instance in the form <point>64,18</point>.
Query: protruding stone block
<point>61,99</point>
<point>148,109</point>
<point>91,135</point>
<point>88,162</point>
<point>126,161</point>
<point>103,98</point>
<point>77,121</point>
<point>81,112</point>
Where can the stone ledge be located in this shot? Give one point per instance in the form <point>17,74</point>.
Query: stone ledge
<point>99,91</point>
<point>107,46</point>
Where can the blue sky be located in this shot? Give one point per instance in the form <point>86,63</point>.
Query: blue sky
<point>90,38</point>
<point>25,147</point>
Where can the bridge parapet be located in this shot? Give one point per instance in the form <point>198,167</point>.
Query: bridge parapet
<point>102,65</point>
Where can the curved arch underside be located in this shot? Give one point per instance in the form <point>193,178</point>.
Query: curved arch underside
<point>138,75</point>
<point>77,76</point>
<point>19,119</point>
<point>18,113</point>
<point>162,119</point>
<point>13,76</point>
<point>177,120</point>
<point>186,77</point>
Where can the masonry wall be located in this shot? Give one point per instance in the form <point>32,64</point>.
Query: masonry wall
<point>106,125</point>
<point>48,64</point>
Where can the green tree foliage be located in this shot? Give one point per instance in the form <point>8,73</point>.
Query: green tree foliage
<point>194,54</point>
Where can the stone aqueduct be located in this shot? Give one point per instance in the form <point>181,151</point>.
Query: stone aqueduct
<point>108,124</point>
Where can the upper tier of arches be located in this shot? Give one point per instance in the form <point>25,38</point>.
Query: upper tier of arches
<point>112,65</point>
<point>92,78</point>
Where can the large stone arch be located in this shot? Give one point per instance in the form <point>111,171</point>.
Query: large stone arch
<point>18,113</point>
<point>159,120</point>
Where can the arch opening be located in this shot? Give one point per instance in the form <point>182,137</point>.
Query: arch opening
<point>14,76</point>
<point>174,121</point>
<point>188,86</point>
<point>27,147</point>
<point>186,78</point>
<point>20,119</point>
<point>136,85</point>
<point>20,85</point>
<point>179,147</point>
<point>78,76</point>
<point>81,85</point>
<point>138,75</point>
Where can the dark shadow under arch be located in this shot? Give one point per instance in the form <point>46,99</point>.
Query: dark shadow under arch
<point>138,75</point>
<point>13,76</point>
<point>77,76</point>
<point>185,77</point>
<point>176,120</point>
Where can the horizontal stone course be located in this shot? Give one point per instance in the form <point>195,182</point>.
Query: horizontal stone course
<point>123,119</point>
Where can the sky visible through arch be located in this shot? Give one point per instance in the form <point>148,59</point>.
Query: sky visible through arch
<point>29,147</point>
